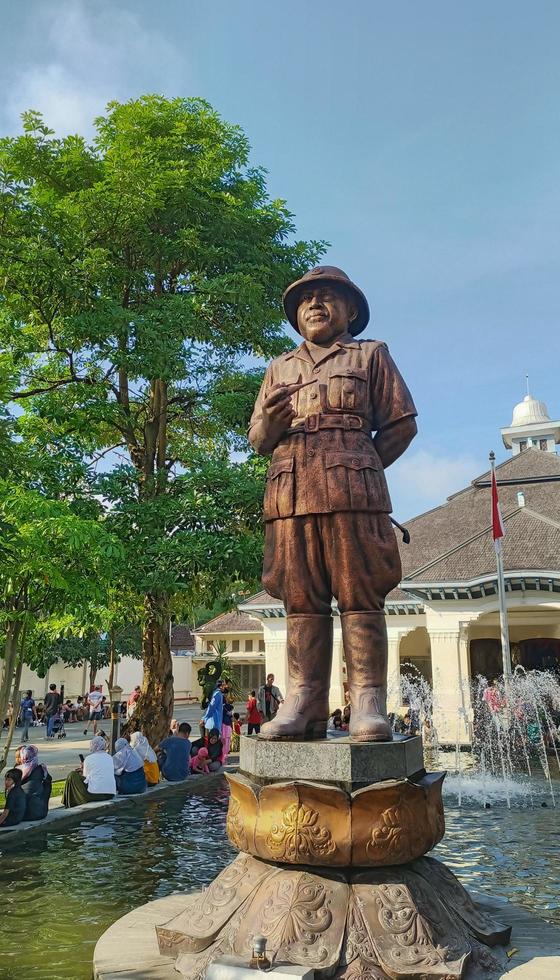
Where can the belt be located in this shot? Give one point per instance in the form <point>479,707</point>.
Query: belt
<point>316,421</point>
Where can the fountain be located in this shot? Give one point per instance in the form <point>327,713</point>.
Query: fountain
<point>514,737</point>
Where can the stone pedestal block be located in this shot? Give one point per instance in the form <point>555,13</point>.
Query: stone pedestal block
<point>336,761</point>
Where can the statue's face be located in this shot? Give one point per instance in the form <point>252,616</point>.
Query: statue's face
<point>324,312</point>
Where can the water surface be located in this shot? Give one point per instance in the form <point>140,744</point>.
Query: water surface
<point>64,889</point>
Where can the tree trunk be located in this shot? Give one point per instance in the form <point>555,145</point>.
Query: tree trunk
<point>15,701</point>
<point>112,659</point>
<point>92,674</point>
<point>13,630</point>
<point>154,708</point>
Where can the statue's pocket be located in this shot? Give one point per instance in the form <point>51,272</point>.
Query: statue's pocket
<point>280,489</point>
<point>347,390</point>
<point>351,481</point>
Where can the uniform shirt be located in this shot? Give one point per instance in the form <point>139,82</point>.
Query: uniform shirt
<point>317,470</point>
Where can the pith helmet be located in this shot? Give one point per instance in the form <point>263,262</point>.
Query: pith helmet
<point>326,274</point>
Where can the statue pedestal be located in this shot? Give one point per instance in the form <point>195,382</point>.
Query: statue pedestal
<point>334,761</point>
<point>332,870</point>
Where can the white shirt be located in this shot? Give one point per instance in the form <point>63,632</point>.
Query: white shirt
<point>99,773</point>
<point>95,698</point>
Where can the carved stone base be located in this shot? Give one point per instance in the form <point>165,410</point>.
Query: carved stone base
<point>395,923</point>
<point>297,822</point>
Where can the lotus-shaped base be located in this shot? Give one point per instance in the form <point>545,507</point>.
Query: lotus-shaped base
<point>409,921</point>
<point>300,822</point>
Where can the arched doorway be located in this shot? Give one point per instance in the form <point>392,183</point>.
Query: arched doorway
<point>415,650</point>
<point>532,653</point>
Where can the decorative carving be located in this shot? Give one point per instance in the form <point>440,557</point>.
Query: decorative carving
<point>196,928</point>
<point>452,892</point>
<point>299,836</point>
<point>405,937</point>
<point>358,942</point>
<point>316,824</point>
<point>392,835</point>
<point>235,827</point>
<point>395,922</point>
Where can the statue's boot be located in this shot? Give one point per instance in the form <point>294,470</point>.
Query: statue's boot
<point>305,711</point>
<point>365,649</point>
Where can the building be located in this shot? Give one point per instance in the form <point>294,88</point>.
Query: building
<point>128,673</point>
<point>242,636</point>
<point>443,620</point>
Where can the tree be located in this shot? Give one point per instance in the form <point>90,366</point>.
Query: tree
<point>56,566</point>
<point>136,272</point>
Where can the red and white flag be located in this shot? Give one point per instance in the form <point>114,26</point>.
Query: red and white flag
<point>497,522</point>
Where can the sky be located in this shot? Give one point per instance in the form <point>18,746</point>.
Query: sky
<point>421,140</point>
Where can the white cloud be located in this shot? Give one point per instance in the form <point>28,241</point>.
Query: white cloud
<point>94,53</point>
<point>421,480</point>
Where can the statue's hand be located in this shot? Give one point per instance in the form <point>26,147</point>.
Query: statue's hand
<point>277,410</point>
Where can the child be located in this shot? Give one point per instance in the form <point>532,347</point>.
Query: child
<point>14,807</point>
<point>236,732</point>
<point>199,762</point>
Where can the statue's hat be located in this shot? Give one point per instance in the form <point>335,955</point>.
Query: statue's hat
<point>326,274</point>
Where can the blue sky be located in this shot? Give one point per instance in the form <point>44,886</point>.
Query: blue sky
<point>421,139</point>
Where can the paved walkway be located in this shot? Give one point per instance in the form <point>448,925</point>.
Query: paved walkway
<point>61,755</point>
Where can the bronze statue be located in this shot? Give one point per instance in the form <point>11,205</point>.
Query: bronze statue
<point>326,507</point>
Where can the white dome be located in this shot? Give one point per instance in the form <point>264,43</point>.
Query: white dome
<point>530,411</point>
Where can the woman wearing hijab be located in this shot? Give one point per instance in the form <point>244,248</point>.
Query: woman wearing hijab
<point>94,780</point>
<point>141,745</point>
<point>36,782</point>
<point>129,769</point>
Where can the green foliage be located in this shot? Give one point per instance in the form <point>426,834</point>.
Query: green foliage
<point>139,272</point>
<point>219,666</point>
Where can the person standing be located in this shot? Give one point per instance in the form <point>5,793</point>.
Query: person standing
<point>227,723</point>
<point>28,714</point>
<point>53,700</point>
<point>214,714</point>
<point>270,698</point>
<point>253,716</point>
<point>132,702</point>
<point>95,704</point>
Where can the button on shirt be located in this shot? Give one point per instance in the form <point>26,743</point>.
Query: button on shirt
<point>315,469</point>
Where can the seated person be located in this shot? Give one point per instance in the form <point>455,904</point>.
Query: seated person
<point>331,724</point>
<point>174,754</point>
<point>68,711</point>
<point>199,762</point>
<point>94,780</point>
<point>14,807</point>
<point>141,745</point>
<point>213,743</point>
<point>129,769</point>
<point>36,782</point>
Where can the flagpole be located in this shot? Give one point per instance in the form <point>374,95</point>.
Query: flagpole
<point>504,628</point>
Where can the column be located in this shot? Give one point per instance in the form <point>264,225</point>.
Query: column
<point>338,674</point>
<point>394,669</point>
<point>276,662</point>
<point>450,667</point>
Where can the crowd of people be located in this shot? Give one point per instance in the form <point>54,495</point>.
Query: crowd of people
<point>54,711</point>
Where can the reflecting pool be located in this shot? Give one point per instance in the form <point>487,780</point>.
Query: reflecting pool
<point>64,889</point>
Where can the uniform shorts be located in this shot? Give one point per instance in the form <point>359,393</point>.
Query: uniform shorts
<point>351,555</point>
